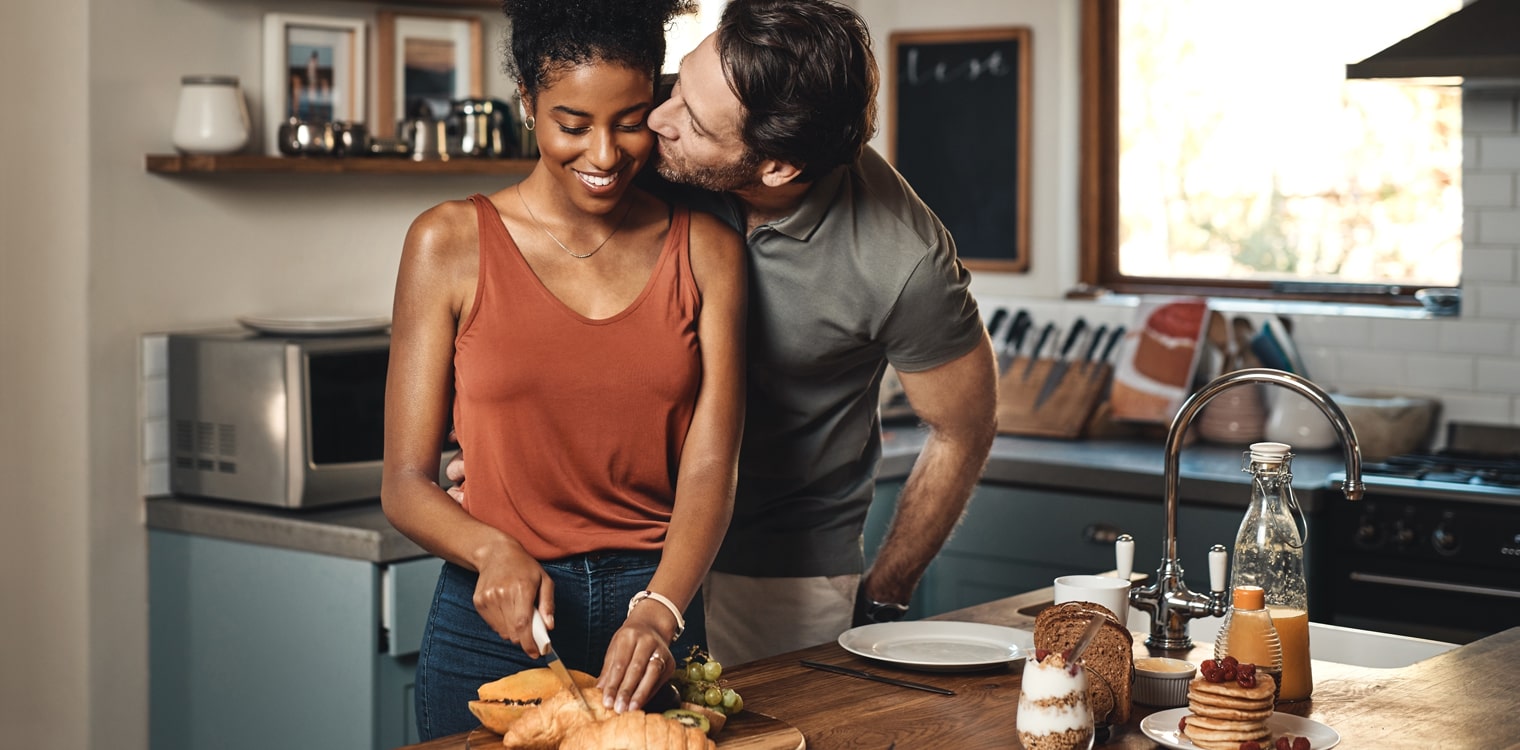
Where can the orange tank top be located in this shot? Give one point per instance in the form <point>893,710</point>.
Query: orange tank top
<point>573,427</point>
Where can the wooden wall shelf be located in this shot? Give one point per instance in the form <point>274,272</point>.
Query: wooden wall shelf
<point>176,164</point>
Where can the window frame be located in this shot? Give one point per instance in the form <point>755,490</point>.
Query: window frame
<point>1099,195</point>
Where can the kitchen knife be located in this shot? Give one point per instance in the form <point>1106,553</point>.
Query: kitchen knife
<point>541,637</point>
<point>1034,354</point>
<point>1014,339</point>
<point>864,675</point>
<point>1108,349</point>
<point>997,320</point>
<point>1058,370</point>
<point>1092,347</point>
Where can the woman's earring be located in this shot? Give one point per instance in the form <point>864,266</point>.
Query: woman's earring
<point>530,122</point>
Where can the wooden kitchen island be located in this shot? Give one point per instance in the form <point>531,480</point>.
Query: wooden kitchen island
<point>1468,697</point>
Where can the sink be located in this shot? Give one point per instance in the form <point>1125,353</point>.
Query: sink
<point>1330,643</point>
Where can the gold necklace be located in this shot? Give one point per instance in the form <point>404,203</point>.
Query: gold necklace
<point>572,253</point>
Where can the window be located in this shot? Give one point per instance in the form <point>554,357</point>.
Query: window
<point>688,30</point>
<point>1226,153</point>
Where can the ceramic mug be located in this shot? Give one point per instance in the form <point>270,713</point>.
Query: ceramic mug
<point>1112,593</point>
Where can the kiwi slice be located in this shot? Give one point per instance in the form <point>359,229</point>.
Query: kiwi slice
<point>689,718</point>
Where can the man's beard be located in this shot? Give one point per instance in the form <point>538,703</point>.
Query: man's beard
<point>734,175</point>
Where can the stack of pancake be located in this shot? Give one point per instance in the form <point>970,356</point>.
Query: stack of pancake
<point>1224,714</point>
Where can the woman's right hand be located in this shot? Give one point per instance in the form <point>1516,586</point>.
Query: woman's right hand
<point>510,584</point>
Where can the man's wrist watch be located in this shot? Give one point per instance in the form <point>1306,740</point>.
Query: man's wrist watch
<point>883,611</point>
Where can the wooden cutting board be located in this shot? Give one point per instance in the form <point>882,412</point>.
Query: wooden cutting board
<point>747,731</point>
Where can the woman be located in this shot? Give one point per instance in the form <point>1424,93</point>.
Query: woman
<point>586,338</point>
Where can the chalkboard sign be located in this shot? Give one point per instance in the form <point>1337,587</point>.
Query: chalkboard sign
<point>959,112</point>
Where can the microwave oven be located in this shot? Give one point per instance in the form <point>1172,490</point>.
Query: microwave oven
<point>288,421</point>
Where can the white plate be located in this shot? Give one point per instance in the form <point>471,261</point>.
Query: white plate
<point>1162,727</point>
<point>938,646</point>
<point>308,325</point>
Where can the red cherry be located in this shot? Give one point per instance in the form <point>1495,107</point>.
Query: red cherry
<point>1283,743</point>
<point>1207,665</point>
<point>1230,672</point>
<point>1300,743</point>
<point>1246,670</point>
<point>1246,682</point>
<point>1232,661</point>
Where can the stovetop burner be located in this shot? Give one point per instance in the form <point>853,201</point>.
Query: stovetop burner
<point>1450,467</point>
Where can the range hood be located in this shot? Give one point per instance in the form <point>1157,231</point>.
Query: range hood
<point>1479,41</point>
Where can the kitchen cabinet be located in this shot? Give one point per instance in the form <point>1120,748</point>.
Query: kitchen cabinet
<point>256,647</point>
<point>242,164</point>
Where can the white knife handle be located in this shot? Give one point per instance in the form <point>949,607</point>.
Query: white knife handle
<point>1218,566</point>
<point>540,633</point>
<point>1124,552</point>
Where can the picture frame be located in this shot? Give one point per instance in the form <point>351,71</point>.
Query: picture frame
<point>429,59</point>
<point>940,82</point>
<point>315,68</point>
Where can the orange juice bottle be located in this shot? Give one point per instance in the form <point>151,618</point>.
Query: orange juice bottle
<point>1269,553</point>
<point>1293,632</point>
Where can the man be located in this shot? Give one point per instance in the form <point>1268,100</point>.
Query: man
<point>850,271</point>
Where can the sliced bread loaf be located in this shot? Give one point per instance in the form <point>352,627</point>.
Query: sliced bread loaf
<point>1110,658</point>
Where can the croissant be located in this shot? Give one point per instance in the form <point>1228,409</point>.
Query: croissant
<point>636,730</point>
<point>544,726</point>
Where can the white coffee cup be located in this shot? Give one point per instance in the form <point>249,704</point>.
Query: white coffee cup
<point>1112,593</point>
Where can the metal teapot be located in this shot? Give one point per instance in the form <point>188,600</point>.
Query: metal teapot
<point>484,128</point>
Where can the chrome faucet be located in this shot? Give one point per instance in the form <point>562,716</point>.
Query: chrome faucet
<point>1168,599</point>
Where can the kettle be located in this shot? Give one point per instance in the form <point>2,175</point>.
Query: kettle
<point>425,138</point>
<point>484,127</point>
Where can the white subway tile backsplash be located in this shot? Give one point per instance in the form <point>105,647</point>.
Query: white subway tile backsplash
<point>1332,330</point>
<point>1479,408</point>
<point>1497,152</point>
<point>1498,226</point>
<point>1488,189</point>
<point>155,355</point>
<point>155,435</point>
<point>1447,371</point>
<point>1405,335</point>
<point>1320,361</point>
<point>1498,375</point>
<point>1489,264</point>
<point>1364,366</point>
<point>1492,301</point>
<point>1488,115</point>
<point>1495,337</point>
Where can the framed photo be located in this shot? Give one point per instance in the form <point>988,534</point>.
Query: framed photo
<point>314,69</point>
<point>941,81</point>
<point>425,61</point>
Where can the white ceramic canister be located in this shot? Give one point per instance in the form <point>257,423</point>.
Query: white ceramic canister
<point>212,117</point>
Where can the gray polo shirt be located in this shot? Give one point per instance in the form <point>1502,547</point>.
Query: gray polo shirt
<point>862,274</point>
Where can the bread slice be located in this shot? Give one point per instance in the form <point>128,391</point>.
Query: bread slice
<point>1110,658</point>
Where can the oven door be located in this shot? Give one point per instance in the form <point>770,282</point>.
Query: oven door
<point>1427,567</point>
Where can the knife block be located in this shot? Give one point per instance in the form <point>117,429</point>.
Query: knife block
<point>1065,414</point>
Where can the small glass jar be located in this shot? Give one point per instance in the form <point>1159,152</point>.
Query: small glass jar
<point>1054,713</point>
<point>212,116</point>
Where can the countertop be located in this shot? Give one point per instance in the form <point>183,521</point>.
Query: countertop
<point>1464,698</point>
<point>1113,468</point>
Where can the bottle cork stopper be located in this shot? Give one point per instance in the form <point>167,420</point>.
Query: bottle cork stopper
<point>1250,597</point>
<point>1269,453</point>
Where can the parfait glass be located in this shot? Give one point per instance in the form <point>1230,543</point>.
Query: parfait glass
<point>1053,710</point>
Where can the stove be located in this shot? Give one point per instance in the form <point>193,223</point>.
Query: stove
<point>1433,548</point>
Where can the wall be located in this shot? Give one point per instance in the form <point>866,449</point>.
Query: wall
<point>44,376</point>
<point>96,253</point>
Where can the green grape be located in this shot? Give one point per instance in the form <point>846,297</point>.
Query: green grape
<point>695,672</point>
<point>712,670</point>
<point>713,696</point>
<point>730,698</point>
<point>737,707</point>
<point>693,693</point>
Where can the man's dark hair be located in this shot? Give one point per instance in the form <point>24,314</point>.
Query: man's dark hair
<point>806,76</point>
<point>551,36</point>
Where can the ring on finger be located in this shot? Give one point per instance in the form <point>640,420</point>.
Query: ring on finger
<point>656,657</point>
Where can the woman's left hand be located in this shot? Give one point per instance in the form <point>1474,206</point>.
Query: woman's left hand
<point>638,663</point>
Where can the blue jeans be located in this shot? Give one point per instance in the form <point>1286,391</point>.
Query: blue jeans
<point>460,652</point>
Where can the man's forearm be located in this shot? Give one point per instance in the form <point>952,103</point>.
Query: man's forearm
<point>931,504</point>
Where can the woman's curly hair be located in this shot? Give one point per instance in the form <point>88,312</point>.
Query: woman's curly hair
<point>550,36</point>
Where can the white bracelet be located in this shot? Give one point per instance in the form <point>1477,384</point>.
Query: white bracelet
<point>670,605</point>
